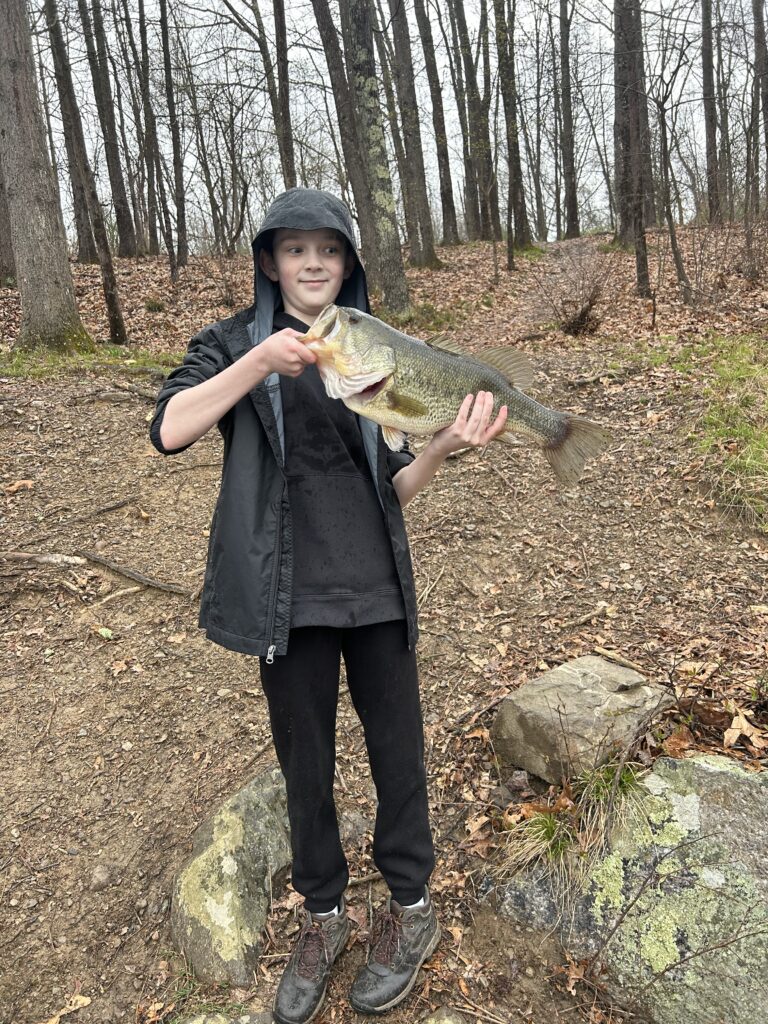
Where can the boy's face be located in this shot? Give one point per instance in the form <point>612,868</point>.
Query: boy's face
<point>309,266</point>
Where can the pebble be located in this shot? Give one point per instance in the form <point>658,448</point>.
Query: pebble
<point>529,972</point>
<point>101,878</point>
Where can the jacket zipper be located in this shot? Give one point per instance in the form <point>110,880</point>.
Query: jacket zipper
<point>273,585</point>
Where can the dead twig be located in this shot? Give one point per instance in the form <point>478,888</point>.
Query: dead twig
<point>596,613</point>
<point>619,659</point>
<point>84,516</point>
<point>136,390</point>
<point>373,876</point>
<point>132,574</point>
<point>118,593</point>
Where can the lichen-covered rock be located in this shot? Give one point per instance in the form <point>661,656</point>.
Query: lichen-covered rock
<point>445,1015</point>
<point>574,717</point>
<point>675,914</point>
<point>221,896</point>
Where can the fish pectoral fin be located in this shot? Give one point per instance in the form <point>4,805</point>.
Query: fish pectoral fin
<point>404,405</point>
<point>513,364</point>
<point>394,438</point>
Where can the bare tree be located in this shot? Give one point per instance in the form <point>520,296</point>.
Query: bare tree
<point>450,227</point>
<point>95,41</point>
<point>424,253</point>
<point>710,111</point>
<point>49,314</point>
<point>567,139</point>
<point>67,93</point>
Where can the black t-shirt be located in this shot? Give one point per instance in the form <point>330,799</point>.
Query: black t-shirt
<point>343,567</point>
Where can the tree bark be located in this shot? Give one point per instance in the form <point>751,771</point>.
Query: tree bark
<point>7,262</point>
<point>567,140</point>
<point>471,198</point>
<point>117,333</point>
<point>450,226</point>
<point>49,314</point>
<point>350,140</point>
<point>414,154</point>
<point>386,62</point>
<point>710,111</point>
<point>761,74</point>
<point>283,122</point>
<point>357,32</point>
<point>96,47</point>
<point>520,236</point>
<point>182,242</point>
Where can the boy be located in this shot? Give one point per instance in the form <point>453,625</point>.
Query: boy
<point>308,562</point>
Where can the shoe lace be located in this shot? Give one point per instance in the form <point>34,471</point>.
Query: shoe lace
<point>385,938</point>
<point>311,950</point>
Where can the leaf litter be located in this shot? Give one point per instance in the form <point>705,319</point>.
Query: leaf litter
<point>117,747</point>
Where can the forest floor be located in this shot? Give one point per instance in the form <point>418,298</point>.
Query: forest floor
<point>122,728</point>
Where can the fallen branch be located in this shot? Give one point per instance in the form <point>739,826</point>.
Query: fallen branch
<point>619,659</point>
<point>118,593</point>
<point>41,559</point>
<point>373,876</point>
<point>136,390</point>
<point>132,574</point>
<point>596,613</point>
<point>84,516</point>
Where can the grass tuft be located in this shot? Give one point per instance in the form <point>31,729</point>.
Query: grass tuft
<point>41,363</point>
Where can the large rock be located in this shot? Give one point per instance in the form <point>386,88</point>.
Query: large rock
<point>574,717</point>
<point>674,915</point>
<point>221,896</point>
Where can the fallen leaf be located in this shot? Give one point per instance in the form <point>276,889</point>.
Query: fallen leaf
<point>74,1004</point>
<point>740,726</point>
<point>117,667</point>
<point>680,741</point>
<point>19,485</point>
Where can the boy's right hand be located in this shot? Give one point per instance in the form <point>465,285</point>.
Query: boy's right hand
<point>282,352</point>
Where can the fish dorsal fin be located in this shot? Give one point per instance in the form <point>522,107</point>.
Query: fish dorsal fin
<point>444,344</point>
<point>510,362</point>
<point>394,438</point>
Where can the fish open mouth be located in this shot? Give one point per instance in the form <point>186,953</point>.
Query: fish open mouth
<point>369,393</point>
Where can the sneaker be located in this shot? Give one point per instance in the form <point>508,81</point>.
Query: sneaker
<point>402,939</point>
<point>301,991</point>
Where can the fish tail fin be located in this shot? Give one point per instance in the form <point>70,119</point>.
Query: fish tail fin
<point>579,440</point>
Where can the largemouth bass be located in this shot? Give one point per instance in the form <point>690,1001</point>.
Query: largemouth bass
<point>411,387</point>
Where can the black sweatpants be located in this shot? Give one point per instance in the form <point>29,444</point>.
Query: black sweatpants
<point>302,690</point>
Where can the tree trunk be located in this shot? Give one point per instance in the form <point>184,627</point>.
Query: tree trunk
<point>283,122</point>
<point>357,32</point>
<point>566,140</point>
<point>479,134</point>
<point>710,111</point>
<point>666,195</point>
<point>414,154</point>
<point>7,262</point>
<point>350,141</point>
<point>520,235</point>
<point>96,47</point>
<point>761,74</point>
<point>556,132</point>
<point>182,243</point>
<point>450,227</point>
<point>725,161</point>
<point>150,129</point>
<point>49,314</point>
<point>65,85</point>
<point>386,62</point>
<point>471,199</point>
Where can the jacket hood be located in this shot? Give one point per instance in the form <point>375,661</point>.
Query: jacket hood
<point>304,209</point>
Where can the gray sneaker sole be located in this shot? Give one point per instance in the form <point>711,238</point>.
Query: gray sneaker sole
<point>373,1011</point>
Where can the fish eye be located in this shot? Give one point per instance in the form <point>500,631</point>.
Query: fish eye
<point>354,319</point>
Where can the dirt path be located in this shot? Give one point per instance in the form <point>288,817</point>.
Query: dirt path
<point>122,728</point>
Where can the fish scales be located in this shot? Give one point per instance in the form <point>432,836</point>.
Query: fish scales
<point>408,386</point>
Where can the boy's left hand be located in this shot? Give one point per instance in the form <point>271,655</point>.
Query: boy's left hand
<point>472,426</point>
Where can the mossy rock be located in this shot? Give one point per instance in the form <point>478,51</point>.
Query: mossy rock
<point>221,896</point>
<point>674,916</point>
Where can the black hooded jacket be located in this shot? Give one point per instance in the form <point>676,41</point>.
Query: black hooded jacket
<point>246,598</point>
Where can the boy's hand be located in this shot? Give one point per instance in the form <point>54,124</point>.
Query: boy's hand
<point>472,426</point>
<point>282,352</point>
